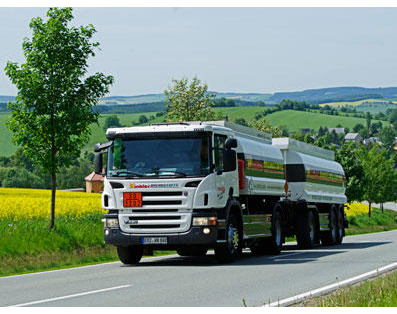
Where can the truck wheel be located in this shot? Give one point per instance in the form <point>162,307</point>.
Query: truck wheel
<point>329,237</point>
<point>228,252</point>
<point>306,230</point>
<point>270,245</point>
<point>130,254</point>
<point>340,227</point>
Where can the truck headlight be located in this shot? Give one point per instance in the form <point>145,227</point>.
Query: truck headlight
<point>110,223</point>
<point>204,221</point>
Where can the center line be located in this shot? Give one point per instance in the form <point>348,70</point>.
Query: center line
<point>70,296</point>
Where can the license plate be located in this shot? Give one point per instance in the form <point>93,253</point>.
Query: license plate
<point>132,199</point>
<point>162,240</point>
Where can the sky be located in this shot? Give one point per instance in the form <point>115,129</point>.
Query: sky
<point>262,50</point>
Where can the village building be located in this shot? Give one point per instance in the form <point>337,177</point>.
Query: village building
<point>93,183</point>
<point>355,137</point>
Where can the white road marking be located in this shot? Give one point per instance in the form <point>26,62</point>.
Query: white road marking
<point>69,296</point>
<point>329,288</point>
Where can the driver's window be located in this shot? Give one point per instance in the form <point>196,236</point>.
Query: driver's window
<point>219,145</point>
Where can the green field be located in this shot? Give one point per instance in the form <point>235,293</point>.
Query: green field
<point>295,120</point>
<point>98,134</point>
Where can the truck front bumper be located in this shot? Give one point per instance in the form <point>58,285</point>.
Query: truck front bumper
<point>195,236</point>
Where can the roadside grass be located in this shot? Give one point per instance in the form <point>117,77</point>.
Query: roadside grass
<point>379,221</point>
<point>376,292</point>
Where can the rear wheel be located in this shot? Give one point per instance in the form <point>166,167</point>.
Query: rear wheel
<point>329,237</point>
<point>306,231</point>
<point>130,254</point>
<point>340,226</point>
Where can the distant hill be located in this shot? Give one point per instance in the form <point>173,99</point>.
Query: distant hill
<point>336,94</point>
<point>154,102</point>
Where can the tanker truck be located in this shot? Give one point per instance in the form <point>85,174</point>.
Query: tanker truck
<point>195,186</point>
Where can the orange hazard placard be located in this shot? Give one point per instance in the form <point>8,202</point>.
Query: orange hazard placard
<point>132,199</point>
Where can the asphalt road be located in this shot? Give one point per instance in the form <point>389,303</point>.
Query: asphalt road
<point>177,281</point>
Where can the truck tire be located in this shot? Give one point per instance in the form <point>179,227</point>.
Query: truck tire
<point>339,227</point>
<point>271,245</point>
<point>306,230</point>
<point>130,254</point>
<point>329,237</point>
<point>229,251</point>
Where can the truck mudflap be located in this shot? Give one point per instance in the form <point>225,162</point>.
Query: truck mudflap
<point>168,241</point>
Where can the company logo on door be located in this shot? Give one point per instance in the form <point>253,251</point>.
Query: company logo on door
<point>154,186</point>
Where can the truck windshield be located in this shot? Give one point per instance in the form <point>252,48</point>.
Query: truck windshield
<point>159,157</point>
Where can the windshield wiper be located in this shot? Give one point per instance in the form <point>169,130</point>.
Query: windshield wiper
<point>128,173</point>
<point>175,173</point>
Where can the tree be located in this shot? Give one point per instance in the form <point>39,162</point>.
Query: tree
<point>387,138</point>
<point>241,121</point>
<point>55,104</point>
<point>354,172</point>
<point>143,119</point>
<point>378,174</point>
<point>393,118</point>
<point>264,126</point>
<point>189,102</point>
<point>111,122</point>
<point>368,121</point>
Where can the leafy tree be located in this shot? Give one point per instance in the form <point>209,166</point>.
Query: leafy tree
<point>378,174</point>
<point>298,137</point>
<point>321,131</point>
<point>143,119</point>
<point>111,122</point>
<point>368,121</point>
<point>55,105</point>
<point>354,172</point>
<point>393,118</point>
<point>358,127</point>
<point>241,121</point>
<point>264,126</point>
<point>387,138</point>
<point>308,139</point>
<point>189,101</point>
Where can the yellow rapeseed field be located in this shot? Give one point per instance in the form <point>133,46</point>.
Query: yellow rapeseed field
<point>353,209</point>
<point>34,203</point>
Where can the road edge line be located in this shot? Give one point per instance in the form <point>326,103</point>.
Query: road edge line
<point>332,287</point>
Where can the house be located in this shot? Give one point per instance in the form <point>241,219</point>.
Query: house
<point>355,137</point>
<point>371,140</point>
<point>93,183</point>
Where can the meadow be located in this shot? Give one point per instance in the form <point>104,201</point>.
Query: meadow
<point>293,120</point>
<point>296,120</point>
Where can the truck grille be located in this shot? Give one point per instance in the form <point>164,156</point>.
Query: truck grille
<point>155,221</point>
<point>162,212</point>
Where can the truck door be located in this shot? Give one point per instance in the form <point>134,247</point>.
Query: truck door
<point>224,180</point>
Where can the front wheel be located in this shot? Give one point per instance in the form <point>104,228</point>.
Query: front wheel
<point>229,251</point>
<point>130,254</point>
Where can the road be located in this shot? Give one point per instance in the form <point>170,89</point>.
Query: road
<point>177,281</point>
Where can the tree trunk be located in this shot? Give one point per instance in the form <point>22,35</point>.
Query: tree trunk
<point>381,207</point>
<point>53,190</point>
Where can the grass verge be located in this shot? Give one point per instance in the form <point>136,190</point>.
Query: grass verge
<point>379,221</point>
<point>376,292</point>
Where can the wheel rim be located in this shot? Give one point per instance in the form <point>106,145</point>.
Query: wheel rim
<point>234,239</point>
<point>278,233</point>
<point>333,226</point>
<point>311,229</point>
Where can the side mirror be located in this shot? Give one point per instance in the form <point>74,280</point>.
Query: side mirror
<point>231,143</point>
<point>98,163</point>
<point>229,160</point>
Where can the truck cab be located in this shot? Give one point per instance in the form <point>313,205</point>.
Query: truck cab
<point>163,185</point>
